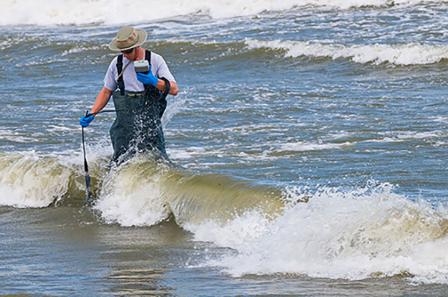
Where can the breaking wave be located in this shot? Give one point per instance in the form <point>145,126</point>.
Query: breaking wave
<point>33,181</point>
<point>140,193</point>
<point>144,193</point>
<point>329,232</point>
<point>358,234</point>
<point>400,54</point>
<point>48,12</point>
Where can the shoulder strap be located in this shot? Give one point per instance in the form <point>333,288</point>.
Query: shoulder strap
<point>120,80</point>
<point>148,58</point>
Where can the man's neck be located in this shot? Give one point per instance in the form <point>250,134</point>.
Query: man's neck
<point>140,54</point>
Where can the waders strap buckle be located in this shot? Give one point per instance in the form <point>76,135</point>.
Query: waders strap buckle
<point>135,94</point>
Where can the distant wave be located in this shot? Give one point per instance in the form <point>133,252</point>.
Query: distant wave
<point>396,54</point>
<point>400,54</point>
<point>65,12</point>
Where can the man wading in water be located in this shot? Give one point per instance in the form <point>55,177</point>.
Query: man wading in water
<point>140,99</point>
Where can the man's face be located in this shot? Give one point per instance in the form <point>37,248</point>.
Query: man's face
<point>130,54</point>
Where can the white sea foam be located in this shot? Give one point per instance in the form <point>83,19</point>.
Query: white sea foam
<point>440,119</point>
<point>400,54</point>
<point>257,151</point>
<point>57,128</point>
<point>194,152</point>
<point>189,153</point>
<point>310,146</point>
<point>51,12</point>
<point>409,136</point>
<point>15,136</point>
<point>76,50</point>
<point>338,234</point>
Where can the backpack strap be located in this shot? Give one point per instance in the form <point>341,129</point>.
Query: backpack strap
<point>120,80</point>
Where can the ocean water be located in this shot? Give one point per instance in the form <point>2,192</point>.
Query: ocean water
<point>308,143</point>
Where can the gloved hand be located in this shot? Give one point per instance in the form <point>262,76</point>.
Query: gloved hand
<point>147,78</point>
<point>85,120</point>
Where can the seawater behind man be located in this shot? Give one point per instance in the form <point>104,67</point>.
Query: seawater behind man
<point>139,97</point>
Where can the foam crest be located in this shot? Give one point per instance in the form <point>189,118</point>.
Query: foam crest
<point>51,12</point>
<point>353,235</point>
<point>401,54</point>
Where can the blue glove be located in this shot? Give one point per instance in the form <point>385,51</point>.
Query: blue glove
<point>85,120</point>
<point>147,78</point>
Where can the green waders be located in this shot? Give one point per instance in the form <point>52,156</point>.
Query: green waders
<point>138,127</point>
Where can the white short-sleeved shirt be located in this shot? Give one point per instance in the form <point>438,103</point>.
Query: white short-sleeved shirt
<point>158,68</point>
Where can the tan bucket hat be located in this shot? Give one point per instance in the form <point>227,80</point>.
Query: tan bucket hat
<point>127,38</point>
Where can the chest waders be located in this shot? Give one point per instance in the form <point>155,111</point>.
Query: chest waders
<point>138,127</point>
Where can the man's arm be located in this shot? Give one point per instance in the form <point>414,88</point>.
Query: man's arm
<point>174,89</point>
<point>101,100</point>
<point>164,71</point>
